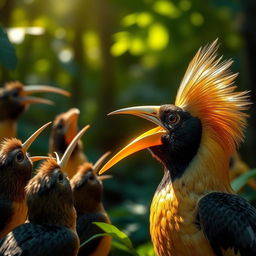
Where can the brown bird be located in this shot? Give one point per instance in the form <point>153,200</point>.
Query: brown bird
<point>51,227</point>
<point>14,100</point>
<point>64,129</point>
<point>87,189</point>
<point>194,210</point>
<point>15,172</point>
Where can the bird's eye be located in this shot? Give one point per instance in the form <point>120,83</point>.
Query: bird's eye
<point>15,94</point>
<point>91,177</point>
<point>19,157</point>
<point>60,177</point>
<point>173,118</point>
<point>60,126</point>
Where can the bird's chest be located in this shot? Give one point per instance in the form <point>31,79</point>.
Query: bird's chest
<point>173,225</point>
<point>17,214</point>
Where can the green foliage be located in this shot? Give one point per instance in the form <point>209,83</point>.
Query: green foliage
<point>122,241</point>
<point>241,181</point>
<point>7,52</point>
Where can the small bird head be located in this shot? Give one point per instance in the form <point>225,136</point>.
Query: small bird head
<point>87,186</point>
<point>15,98</point>
<point>15,163</point>
<point>208,116</point>
<point>49,195</point>
<point>64,130</point>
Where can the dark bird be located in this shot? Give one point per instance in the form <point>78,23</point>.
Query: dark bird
<point>51,227</point>
<point>194,210</point>
<point>87,190</point>
<point>64,129</point>
<point>15,99</point>
<point>15,172</point>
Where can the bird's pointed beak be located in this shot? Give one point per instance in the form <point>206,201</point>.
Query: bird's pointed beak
<point>71,130</point>
<point>31,139</point>
<point>62,163</point>
<point>148,139</point>
<point>31,89</point>
<point>104,177</point>
<point>26,99</point>
<point>38,158</point>
<point>151,113</point>
<point>98,164</point>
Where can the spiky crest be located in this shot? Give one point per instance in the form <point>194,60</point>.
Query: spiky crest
<point>208,92</point>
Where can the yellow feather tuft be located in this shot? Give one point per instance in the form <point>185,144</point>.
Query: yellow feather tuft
<point>208,92</point>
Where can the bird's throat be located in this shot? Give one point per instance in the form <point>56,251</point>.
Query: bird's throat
<point>8,129</point>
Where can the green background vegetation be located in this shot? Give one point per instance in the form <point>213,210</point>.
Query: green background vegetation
<point>117,53</point>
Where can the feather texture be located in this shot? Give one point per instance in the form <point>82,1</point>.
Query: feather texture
<point>208,92</point>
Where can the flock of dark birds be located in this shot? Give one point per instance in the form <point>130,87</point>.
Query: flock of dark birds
<point>194,211</point>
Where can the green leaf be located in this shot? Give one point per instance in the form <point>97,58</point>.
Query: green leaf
<point>92,237</point>
<point>239,182</point>
<point>118,235</point>
<point>7,52</point>
<point>146,250</point>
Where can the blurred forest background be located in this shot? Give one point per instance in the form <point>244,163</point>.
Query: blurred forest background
<point>116,53</point>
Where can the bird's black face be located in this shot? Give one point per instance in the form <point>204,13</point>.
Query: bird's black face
<point>181,142</point>
<point>10,103</point>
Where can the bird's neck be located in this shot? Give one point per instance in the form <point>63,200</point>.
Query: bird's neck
<point>8,129</point>
<point>89,206</point>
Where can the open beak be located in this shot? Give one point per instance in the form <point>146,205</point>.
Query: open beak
<point>62,163</point>
<point>71,126</point>
<point>31,139</point>
<point>148,139</point>
<point>31,89</point>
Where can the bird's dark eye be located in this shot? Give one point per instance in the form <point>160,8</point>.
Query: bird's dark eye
<point>60,177</point>
<point>19,157</point>
<point>15,94</point>
<point>173,118</point>
<point>59,126</point>
<point>91,177</point>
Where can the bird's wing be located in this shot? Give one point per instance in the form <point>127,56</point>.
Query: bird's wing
<point>228,221</point>
<point>85,229</point>
<point>30,240</point>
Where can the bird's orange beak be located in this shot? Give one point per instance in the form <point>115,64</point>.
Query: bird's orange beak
<point>71,126</point>
<point>31,139</point>
<point>148,139</point>
<point>31,89</point>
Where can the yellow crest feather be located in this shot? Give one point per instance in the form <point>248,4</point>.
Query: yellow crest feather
<point>208,92</point>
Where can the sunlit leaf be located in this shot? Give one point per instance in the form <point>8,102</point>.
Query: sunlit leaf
<point>197,19</point>
<point>118,235</point>
<point>167,8</point>
<point>239,182</point>
<point>146,250</point>
<point>158,37</point>
<point>137,46</point>
<point>129,20</point>
<point>7,52</point>
<point>144,19</point>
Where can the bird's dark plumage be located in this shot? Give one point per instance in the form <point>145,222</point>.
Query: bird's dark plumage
<point>49,240</point>
<point>51,215</point>
<point>88,191</point>
<point>228,221</point>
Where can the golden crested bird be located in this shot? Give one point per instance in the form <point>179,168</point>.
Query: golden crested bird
<point>15,172</point>
<point>87,190</point>
<point>14,99</point>
<point>64,129</point>
<point>194,210</point>
<point>51,227</point>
